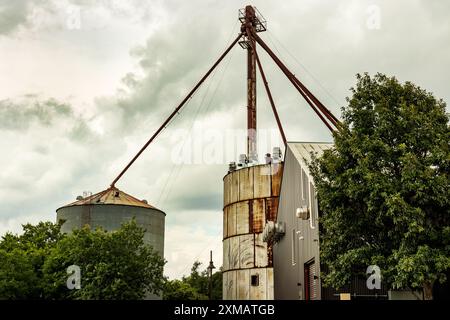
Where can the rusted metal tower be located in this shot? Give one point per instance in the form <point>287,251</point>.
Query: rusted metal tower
<point>251,22</point>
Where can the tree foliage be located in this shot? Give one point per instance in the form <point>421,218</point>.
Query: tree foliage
<point>384,188</point>
<point>22,258</point>
<point>195,286</point>
<point>114,265</point>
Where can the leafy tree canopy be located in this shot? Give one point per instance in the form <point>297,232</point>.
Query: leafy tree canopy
<point>384,188</point>
<point>113,265</point>
<point>195,286</point>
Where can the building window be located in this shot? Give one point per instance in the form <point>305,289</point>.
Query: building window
<point>255,280</point>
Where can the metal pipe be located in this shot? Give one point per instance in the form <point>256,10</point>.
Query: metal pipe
<point>307,95</point>
<point>312,96</point>
<point>176,109</point>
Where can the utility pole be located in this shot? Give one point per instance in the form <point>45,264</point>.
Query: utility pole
<point>210,273</point>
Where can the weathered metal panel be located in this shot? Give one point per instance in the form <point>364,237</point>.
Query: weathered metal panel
<point>232,285</point>
<point>226,254</point>
<point>271,209</point>
<point>243,289</point>
<point>259,292</point>
<point>277,173</point>
<point>261,180</point>
<point>245,184</point>
<point>242,218</point>
<point>259,220</point>
<point>225,222</point>
<point>229,285</point>
<point>226,189</point>
<point>230,211</point>
<point>261,252</point>
<point>246,248</point>
<point>234,253</point>
<point>234,186</point>
<point>225,285</point>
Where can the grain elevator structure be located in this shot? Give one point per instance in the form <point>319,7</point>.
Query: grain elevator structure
<point>251,186</point>
<point>251,193</point>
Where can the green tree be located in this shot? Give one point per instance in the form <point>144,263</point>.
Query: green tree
<point>195,286</point>
<point>22,258</point>
<point>181,290</point>
<point>384,189</point>
<point>114,265</point>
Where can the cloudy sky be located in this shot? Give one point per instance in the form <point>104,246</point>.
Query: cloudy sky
<point>84,83</point>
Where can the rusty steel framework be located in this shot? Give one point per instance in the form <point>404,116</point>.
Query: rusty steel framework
<point>252,22</point>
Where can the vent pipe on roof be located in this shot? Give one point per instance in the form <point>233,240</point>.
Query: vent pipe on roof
<point>276,154</point>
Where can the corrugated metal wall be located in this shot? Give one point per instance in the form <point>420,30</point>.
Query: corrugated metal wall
<point>300,244</point>
<point>250,199</point>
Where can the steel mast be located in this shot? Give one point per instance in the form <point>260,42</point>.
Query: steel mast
<point>252,22</point>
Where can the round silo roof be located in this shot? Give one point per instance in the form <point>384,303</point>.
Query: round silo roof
<point>112,196</point>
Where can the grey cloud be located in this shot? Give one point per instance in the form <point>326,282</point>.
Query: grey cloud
<point>201,199</point>
<point>12,14</point>
<point>17,115</point>
<point>80,131</point>
<point>20,113</point>
<point>16,13</point>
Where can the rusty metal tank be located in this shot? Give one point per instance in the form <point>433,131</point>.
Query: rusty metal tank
<point>250,200</point>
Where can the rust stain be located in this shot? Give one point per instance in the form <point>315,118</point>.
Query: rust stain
<point>271,209</point>
<point>258,215</point>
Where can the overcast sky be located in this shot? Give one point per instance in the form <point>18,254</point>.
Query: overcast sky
<point>83,84</point>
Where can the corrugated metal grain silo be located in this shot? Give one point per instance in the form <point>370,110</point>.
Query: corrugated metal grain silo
<point>109,209</point>
<point>250,199</point>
